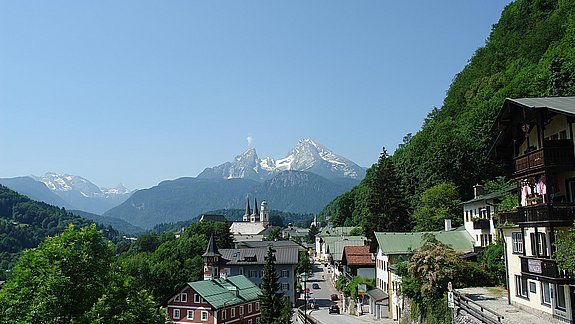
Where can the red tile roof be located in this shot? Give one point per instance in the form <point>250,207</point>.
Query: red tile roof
<point>358,256</point>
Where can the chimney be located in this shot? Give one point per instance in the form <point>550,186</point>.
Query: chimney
<point>448,225</point>
<point>477,191</point>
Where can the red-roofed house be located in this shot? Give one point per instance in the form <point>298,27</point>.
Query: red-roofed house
<point>358,261</point>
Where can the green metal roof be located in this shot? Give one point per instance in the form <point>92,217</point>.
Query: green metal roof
<point>219,292</point>
<point>402,243</point>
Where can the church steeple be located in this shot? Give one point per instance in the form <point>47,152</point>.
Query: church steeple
<point>211,260</point>
<point>246,217</point>
<point>256,214</point>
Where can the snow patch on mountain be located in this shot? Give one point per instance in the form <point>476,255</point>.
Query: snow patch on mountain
<point>66,182</point>
<point>307,155</point>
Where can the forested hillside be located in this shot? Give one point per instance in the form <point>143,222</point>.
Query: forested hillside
<point>24,223</point>
<point>529,53</point>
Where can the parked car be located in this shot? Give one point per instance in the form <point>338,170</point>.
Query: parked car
<point>315,286</point>
<point>312,306</point>
<point>334,297</point>
<point>334,309</point>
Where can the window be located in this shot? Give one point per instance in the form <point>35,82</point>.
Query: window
<point>285,273</point>
<point>285,286</point>
<point>517,242</point>
<point>257,306</point>
<point>532,287</point>
<point>250,321</point>
<point>233,312</point>
<point>546,293</point>
<point>250,308</point>
<point>184,297</point>
<point>521,287</point>
<point>197,298</point>
<point>560,292</point>
<point>252,273</point>
<point>257,320</point>
<point>241,310</point>
<point>204,315</point>
<point>224,314</point>
<point>176,314</point>
<point>538,244</point>
<point>190,314</point>
<point>241,271</point>
<point>177,298</point>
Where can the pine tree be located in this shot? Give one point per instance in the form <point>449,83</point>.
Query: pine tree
<point>386,207</point>
<point>273,306</point>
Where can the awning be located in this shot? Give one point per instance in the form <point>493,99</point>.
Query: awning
<point>377,294</point>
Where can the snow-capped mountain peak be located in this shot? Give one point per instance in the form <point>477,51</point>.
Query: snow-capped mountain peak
<point>307,155</point>
<point>67,182</point>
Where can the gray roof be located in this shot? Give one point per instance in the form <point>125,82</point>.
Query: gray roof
<point>283,255</point>
<point>493,195</point>
<point>377,294</point>
<point>335,231</point>
<point>274,244</point>
<point>562,104</point>
<point>213,218</point>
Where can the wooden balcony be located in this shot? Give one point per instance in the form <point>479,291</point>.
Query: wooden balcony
<point>556,153</point>
<point>481,223</point>
<point>555,214</point>
<point>547,268</point>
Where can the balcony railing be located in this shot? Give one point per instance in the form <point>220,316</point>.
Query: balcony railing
<point>552,213</point>
<point>554,153</point>
<point>545,268</point>
<point>481,223</point>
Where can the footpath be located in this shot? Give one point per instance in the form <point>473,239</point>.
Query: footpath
<point>496,300</point>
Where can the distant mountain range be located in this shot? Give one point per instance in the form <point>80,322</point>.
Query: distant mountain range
<point>304,181</point>
<point>185,198</point>
<point>68,191</point>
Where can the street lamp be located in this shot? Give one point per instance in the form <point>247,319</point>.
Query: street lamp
<point>304,278</point>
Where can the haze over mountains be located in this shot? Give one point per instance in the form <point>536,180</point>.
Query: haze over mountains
<point>68,191</point>
<point>304,181</point>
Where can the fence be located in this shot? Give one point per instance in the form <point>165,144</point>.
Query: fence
<point>477,311</point>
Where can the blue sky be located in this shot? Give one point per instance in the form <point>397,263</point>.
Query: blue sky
<point>142,91</point>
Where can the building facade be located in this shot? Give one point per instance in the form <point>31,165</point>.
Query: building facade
<point>221,300</point>
<point>536,135</point>
<point>478,215</point>
<point>393,248</point>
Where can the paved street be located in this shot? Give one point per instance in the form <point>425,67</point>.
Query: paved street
<point>322,297</point>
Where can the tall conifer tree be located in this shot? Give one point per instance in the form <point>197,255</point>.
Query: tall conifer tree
<point>273,306</point>
<point>386,207</point>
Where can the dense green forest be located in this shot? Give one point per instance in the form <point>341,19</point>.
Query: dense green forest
<point>529,53</point>
<point>24,223</point>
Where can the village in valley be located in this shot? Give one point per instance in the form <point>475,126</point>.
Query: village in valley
<point>451,198</point>
<point>534,132</point>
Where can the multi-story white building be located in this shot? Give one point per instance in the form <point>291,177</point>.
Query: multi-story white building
<point>536,135</point>
<point>478,215</point>
<point>394,247</point>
